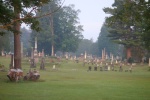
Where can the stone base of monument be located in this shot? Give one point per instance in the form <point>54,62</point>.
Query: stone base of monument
<point>15,74</point>
<point>32,75</point>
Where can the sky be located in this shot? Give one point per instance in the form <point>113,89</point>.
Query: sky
<point>91,16</point>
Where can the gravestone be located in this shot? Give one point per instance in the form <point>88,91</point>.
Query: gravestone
<point>32,63</point>
<point>112,67</point>
<point>15,74</point>
<point>2,53</point>
<point>95,68</point>
<point>43,54</point>
<point>90,68</point>
<point>130,69</point>
<point>106,67</point>
<point>101,66</point>
<point>32,75</point>
<point>120,68</point>
<point>42,66</point>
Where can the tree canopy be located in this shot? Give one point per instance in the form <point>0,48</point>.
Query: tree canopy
<point>15,12</point>
<point>105,42</point>
<point>129,22</point>
<point>67,29</point>
<point>26,9</point>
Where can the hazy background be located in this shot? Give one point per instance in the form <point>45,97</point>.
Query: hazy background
<point>92,16</point>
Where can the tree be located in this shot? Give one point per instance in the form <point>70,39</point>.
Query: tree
<point>13,13</point>
<point>105,42</point>
<point>89,46</point>
<point>25,39</point>
<point>84,45</point>
<point>123,24</point>
<point>67,29</point>
<point>5,42</point>
<point>145,20</point>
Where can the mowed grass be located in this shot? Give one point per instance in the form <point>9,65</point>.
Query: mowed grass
<point>72,81</point>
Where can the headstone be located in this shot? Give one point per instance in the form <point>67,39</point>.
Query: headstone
<point>108,68</point>
<point>15,74</point>
<point>120,67</point>
<point>32,63</point>
<point>54,67</point>
<point>106,56</point>
<point>32,60</point>
<point>42,52</point>
<point>95,68</point>
<point>2,53</point>
<point>112,67</point>
<point>90,68</point>
<point>42,66</point>
<point>112,59</point>
<point>32,75</point>
<point>66,56</point>
<point>101,68</point>
<point>116,62</point>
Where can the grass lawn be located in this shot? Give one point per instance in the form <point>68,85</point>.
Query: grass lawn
<point>72,81</point>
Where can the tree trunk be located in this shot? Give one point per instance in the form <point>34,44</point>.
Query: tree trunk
<point>52,31</point>
<point>52,53</point>
<point>17,43</point>
<point>128,52</point>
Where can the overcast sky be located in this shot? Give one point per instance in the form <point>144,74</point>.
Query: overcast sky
<point>91,16</point>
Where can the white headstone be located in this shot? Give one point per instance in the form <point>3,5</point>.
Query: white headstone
<point>108,67</point>
<point>53,66</point>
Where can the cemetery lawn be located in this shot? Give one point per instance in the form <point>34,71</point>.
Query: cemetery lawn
<point>72,81</point>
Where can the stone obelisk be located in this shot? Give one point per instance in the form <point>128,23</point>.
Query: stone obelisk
<point>35,52</point>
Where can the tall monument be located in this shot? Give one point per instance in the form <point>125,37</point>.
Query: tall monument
<point>85,55</point>
<point>35,49</point>
<point>36,58</point>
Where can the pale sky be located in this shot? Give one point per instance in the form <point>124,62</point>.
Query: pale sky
<point>91,16</point>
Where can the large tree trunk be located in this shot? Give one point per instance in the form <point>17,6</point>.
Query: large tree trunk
<point>17,43</point>
<point>128,52</point>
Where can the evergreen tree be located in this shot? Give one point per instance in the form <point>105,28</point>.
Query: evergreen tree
<point>105,42</point>
<point>123,24</point>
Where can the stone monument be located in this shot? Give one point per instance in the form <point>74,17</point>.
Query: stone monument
<point>36,58</point>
